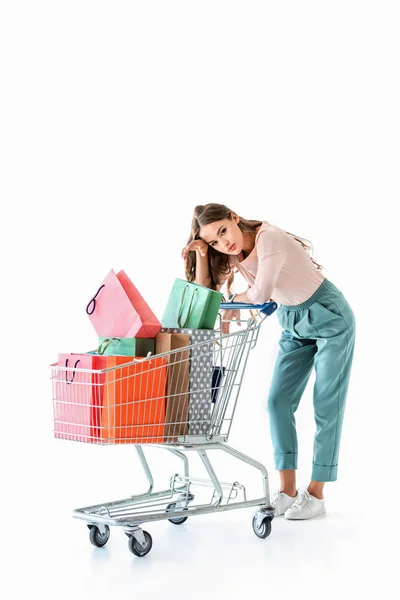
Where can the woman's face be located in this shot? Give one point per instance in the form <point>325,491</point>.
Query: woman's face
<point>224,236</point>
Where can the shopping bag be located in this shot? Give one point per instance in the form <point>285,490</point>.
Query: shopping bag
<point>118,309</point>
<point>191,306</point>
<point>177,405</point>
<point>202,358</point>
<point>78,395</point>
<point>126,346</point>
<point>217,376</point>
<point>134,398</point>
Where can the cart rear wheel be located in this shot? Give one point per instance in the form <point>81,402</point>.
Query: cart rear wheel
<point>136,548</point>
<point>177,520</point>
<point>264,529</point>
<point>99,539</point>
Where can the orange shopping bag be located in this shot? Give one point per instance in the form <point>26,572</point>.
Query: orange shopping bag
<point>134,400</point>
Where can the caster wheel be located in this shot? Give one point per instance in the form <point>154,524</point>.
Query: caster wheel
<point>99,539</point>
<point>177,520</point>
<point>264,529</point>
<point>137,548</point>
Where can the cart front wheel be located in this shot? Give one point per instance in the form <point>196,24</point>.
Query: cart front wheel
<point>99,539</point>
<point>136,548</point>
<point>262,531</point>
<point>177,520</point>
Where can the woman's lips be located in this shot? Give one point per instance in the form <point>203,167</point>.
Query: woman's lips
<point>231,248</point>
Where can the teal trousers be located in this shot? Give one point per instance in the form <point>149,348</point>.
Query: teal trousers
<point>320,332</point>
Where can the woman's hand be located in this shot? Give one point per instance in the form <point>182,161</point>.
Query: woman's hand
<point>196,245</point>
<point>229,314</point>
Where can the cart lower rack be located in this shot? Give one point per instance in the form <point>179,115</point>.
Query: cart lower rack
<point>182,401</point>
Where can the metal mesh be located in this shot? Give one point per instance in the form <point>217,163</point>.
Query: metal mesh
<point>183,396</point>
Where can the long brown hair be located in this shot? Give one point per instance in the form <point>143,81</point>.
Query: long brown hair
<point>218,263</point>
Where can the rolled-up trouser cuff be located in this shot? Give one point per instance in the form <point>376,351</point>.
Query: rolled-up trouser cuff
<point>321,473</point>
<point>285,461</point>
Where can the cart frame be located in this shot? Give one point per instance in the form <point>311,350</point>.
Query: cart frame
<point>176,502</point>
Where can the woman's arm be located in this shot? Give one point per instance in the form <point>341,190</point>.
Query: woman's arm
<point>202,269</point>
<point>242,298</point>
<point>202,275</point>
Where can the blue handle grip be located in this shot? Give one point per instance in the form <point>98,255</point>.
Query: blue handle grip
<point>267,309</point>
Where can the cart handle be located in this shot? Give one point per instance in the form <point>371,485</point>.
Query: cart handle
<point>267,308</point>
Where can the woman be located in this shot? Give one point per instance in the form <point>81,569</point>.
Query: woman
<point>318,329</point>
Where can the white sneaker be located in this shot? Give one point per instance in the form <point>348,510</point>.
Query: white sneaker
<point>306,507</point>
<point>281,502</point>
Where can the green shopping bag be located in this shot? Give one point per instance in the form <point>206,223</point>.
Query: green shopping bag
<point>191,306</point>
<point>126,346</point>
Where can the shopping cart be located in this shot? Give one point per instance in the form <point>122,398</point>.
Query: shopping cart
<point>184,401</point>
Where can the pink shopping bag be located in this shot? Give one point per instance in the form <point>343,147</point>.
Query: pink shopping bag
<point>119,310</point>
<point>78,397</point>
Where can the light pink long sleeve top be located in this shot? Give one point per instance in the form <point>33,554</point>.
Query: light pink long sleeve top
<point>278,267</point>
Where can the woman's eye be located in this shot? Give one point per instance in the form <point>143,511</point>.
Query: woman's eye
<point>222,231</point>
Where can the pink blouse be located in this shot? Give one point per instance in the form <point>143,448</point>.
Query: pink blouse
<point>278,267</point>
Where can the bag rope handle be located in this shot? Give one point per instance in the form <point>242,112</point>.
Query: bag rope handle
<point>181,308</point>
<point>107,342</point>
<point>66,372</point>
<point>90,312</point>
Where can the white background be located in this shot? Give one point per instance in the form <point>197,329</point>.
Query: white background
<point>117,118</point>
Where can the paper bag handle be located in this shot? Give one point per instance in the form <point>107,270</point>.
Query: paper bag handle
<point>181,308</point>
<point>107,342</point>
<point>66,372</point>
<point>93,300</point>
